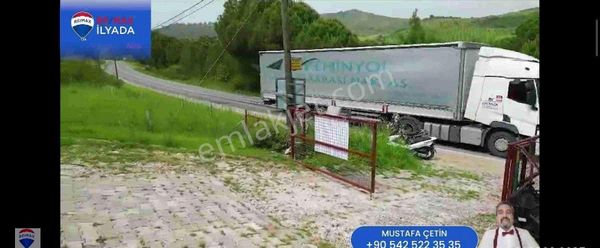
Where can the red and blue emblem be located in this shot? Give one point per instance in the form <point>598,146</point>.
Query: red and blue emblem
<point>82,23</point>
<point>26,237</point>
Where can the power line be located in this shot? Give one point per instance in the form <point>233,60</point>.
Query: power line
<point>180,13</point>
<point>196,4</point>
<point>228,43</point>
<point>196,10</point>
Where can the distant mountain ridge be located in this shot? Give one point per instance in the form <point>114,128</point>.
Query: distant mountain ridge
<point>189,30</point>
<point>367,24</point>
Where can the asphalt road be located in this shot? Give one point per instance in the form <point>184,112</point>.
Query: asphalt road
<point>130,75</point>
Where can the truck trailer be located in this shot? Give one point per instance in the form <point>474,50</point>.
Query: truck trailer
<point>458,92</point>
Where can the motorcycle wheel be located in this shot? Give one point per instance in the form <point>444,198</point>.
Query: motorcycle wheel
<point>426,153</point>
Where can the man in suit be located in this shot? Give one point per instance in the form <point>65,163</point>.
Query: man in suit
<point>506,235</point>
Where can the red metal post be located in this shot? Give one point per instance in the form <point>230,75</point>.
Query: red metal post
<point>523,168</point>
<point>373,156</point>
<point>292,134</point>
<point>510,158</point>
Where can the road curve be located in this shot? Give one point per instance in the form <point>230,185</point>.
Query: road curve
<point>130,75</point>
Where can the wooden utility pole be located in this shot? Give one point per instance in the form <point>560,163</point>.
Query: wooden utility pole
<point>290,87</point>
<point>116,69</point>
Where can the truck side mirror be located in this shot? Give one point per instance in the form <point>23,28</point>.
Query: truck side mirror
<point>531,99</point>
<point>531,94</point>
<point>533,107</point>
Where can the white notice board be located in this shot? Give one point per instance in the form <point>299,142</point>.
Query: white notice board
<point>332,131</point>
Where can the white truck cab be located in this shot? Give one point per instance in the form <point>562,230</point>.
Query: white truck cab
<point>504,95</point>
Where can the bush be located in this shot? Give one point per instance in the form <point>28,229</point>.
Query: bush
<point>389,157</point>
<point>267,137</point>
<point>86,72</point>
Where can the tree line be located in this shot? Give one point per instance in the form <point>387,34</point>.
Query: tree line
<point>247,27</point>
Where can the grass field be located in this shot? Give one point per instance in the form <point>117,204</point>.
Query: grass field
<point>95,105</point>
<point>103,108</point>
<point>456,30</point>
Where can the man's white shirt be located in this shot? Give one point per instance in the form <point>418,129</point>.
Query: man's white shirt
<point>508,240</point>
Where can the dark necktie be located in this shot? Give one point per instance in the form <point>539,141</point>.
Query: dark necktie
<point>511,232</point>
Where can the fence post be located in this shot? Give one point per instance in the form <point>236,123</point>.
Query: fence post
<point>373,156</point>
<point>523,167</point>
<point>507,172</point>
<point>292,134</point>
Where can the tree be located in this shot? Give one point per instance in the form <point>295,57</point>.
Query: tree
<point>528,36</point>
<point>416,33</point>
<point>263,31</point>
<point>325,33</point>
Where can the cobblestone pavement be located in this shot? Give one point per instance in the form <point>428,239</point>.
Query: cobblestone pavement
<point>249,203</point>
<point>164,210</point>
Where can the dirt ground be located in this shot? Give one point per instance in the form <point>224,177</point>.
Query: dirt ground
<point>177,201</point>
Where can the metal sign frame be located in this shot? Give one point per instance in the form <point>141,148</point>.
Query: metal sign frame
<point>280,92</point>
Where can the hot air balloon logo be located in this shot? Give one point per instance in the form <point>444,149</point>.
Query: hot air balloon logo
<point>26,237</point>
<point>82,23</point>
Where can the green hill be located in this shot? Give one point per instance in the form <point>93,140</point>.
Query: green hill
<point>508,20</point>
<point>489,29</point>
<point>482,29</point>
<point>189,30</point>
<point>365,24</point>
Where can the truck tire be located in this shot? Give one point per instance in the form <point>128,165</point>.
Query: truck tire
<point>497,142</point>
<point>410,124</point>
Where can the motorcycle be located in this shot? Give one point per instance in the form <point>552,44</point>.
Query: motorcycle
<point>420,143</point>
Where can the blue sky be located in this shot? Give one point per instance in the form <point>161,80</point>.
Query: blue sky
<point>165,9</point>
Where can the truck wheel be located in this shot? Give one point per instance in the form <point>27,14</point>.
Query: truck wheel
<point>409,124</point>
<point>497,142</point>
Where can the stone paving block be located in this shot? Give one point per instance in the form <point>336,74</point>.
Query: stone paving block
<point>71,232</point>
<point>112,243</point>
<point>130,235</point>
<point>131,243</point>
<point>88,234</point>
<point>106,231</point>
<point>75,244</point>
<point>67,206</point>
<point>130,207</point>
<point>121,225</point>
<point>165,236</point>
<point>155,244</point>
<point>257,240</point>
<point>121,189</point>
